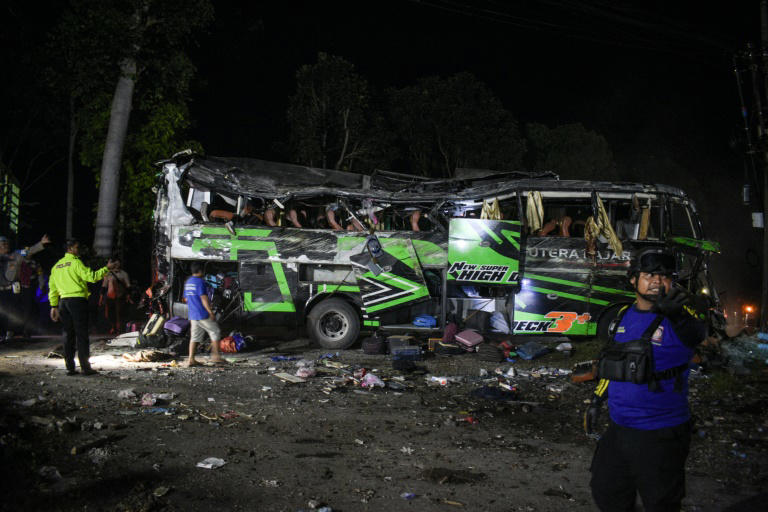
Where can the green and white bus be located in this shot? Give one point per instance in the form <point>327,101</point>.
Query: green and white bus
<point>513,252</point>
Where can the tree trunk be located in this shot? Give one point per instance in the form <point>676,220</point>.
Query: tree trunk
<point>113,154</point>
<point>346,140</point>
<point>71,168</point>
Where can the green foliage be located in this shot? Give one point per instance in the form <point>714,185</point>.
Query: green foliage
<point>92,40</point>
<point>328,115</point>
<point>446,123</point>
<point>571,151</point>
<point>158,137</point>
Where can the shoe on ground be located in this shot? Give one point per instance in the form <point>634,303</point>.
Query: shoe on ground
<point>90,371</point>
<point>72,372</point>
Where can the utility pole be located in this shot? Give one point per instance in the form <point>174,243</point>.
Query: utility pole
<point>764,55</point>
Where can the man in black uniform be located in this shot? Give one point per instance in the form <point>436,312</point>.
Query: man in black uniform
<point>645,376</point>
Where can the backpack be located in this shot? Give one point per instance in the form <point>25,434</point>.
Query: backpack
<point>632,361</point>
<point>152,334</point>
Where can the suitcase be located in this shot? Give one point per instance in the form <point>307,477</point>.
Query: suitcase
<point>177,325</point>
<point>400,348</point>
<point>469,340</point>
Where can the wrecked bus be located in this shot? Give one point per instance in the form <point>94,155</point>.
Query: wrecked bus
<point>291,249</point>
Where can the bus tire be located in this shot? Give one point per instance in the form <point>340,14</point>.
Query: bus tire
<point>333,324</point>
<point>604,324</point>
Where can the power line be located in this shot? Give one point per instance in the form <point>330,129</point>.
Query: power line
<point>575,31</point>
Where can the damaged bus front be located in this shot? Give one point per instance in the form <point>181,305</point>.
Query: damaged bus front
<point>291,249</point>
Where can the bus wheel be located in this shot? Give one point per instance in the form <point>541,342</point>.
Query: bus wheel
<point>605,322</point>
<point>333,323</point>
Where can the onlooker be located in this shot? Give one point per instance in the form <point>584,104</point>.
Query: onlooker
<point>115,288</point>
<point>29,281</point>
<point>10,287</point>
<point>200,316</point>
<point>69,302</point>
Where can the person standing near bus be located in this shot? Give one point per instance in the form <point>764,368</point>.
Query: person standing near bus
<point>646,445</point>
<point>68,294</point>
<point>200,316</point>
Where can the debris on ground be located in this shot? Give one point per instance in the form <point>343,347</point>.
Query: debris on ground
<point>211,463</point>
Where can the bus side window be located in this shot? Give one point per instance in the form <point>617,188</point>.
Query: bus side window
<point>680,220</point>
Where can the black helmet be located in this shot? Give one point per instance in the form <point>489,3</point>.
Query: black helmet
<point>653,260</point>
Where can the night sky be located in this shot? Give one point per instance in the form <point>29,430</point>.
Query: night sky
<point>654,78</point>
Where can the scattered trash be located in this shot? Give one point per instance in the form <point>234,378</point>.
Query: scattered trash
<point>211,463</point>
<point>470,419</point>
<point>443,381</point>
<point>161,491</point>
<point>54,355</point>
<point>158,410</point>
<point>564,347</point>
<point>211,399</point>
<point>148,400</point>
<point>96,443</point>
<point>290,378</point>
<point>495,393</point>
<point>553,388</point>
<point>740,455</point>
<point>126,393</point>
<point>49,473</point>
<point>270,483</point>
<point>407,495</point>
<point>28,403</point>
<point>531,350</point>
<point>371,380</point>
<point>98,456</point>
<point>266,388</point>
<point>306,372</point>
<point>283,358</point>
<point>407,450</point>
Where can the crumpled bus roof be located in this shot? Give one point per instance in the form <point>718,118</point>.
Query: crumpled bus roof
<point>253,177</point>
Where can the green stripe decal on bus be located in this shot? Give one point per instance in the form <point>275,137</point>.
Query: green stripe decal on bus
<point>578,284</point>
<point>491,233</point>
<point>234,244</point>
<point>511,237</point>
<point>568,295</point>
<point>371,323</point>
<point>330,288</point>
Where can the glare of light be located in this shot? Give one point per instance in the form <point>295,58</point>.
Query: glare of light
<point>749,309</point>
<point>705,291</point>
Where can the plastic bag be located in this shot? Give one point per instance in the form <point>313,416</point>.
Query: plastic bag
<point>371,380</point>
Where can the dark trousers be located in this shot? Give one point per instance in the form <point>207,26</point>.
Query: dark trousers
<point>29,309</point>
<point>651,462</point>
<point>74,317</point>
<point>9,311</point>
<point>114,314</point>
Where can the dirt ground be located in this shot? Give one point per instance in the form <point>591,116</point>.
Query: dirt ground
<point>78,443</point>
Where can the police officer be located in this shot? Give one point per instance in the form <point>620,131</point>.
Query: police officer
<point>645,447</point>
<point>68,294</point>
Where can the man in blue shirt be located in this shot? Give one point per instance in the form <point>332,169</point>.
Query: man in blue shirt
<point>646,445</point>
<point>200,316</point>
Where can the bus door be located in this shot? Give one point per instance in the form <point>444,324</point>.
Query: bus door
<point>483,268</point>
